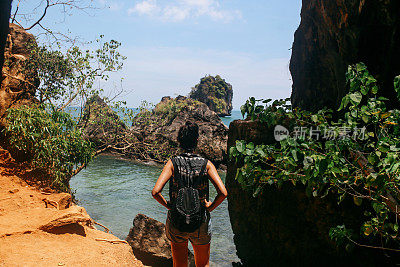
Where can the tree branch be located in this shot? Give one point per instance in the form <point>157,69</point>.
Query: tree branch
<point>44,14</point>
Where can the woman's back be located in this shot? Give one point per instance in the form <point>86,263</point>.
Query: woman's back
<point>189,169</point>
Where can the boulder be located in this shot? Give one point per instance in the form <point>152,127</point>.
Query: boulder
<point>70,220</point>
<point>149,242</point>
<point>334,34</point>
<point>215,93</point>
<point>160,127</point>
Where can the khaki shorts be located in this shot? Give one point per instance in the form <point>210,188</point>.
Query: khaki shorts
<point>202,236</point>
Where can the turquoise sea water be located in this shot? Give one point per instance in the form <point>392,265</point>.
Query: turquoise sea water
<point>114,191</point>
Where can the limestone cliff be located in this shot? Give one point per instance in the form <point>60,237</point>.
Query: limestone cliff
<point>215,93</point>
<point>283,226</point>
<point>100,123</point>
<point>334,34</point>
<point>18,86</point>
<point>161,125</point>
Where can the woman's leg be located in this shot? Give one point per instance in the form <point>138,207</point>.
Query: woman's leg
<point>180,254</point>
<point>202,255</point>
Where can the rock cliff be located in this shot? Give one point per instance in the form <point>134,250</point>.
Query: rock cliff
<point>283,226</point>
<point>334,34</point>
<point>18,86</point>
<point>100,123</point>
<point>215,93</point>
<point>161,125</point>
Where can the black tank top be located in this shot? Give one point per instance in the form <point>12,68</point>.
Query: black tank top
<point>186,165</point>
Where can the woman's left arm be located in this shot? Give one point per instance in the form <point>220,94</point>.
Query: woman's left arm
<point>162,180</point>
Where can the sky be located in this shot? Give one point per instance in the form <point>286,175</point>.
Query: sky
<point>171,44</point>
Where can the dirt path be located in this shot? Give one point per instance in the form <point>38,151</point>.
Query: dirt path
<point>38,228</point>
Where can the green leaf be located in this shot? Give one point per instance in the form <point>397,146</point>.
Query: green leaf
<point>314,118</point>
<point>250,145</point>
<point>240,146</point>
<point>364,90</point>
<point>397,86</point>
<point>356,97</point>
<point>294,154</point>
<point>239,176</point>
<point>260,151</point>
<point>374,89</point>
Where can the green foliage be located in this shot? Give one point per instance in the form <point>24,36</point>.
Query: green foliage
<point>212,91</point>
<point>264,112</point>
<point>340,234</point>
<point>361,161</point>
<point>52,139</point>
<point>169,109</point>
<point>67,76</point>
<point>47,132</point>
<point>150,118</point>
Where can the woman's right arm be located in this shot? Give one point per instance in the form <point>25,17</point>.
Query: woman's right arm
<point>219,186</point>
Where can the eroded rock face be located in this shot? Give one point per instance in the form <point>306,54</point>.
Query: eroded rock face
<point>283,226</point>
<point>161,125</point>
<point>335,33</point>
<point>18,86</point>
<point>149,242</point>
<point>215,93</point>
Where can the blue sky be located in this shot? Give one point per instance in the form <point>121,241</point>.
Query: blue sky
<point>171,44</point>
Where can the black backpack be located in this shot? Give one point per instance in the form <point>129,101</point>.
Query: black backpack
<point>187,213</point>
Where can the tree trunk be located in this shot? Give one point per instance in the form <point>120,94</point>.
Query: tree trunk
<point>5,7</point>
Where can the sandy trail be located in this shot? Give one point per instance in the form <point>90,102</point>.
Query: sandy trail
<point>39,228</point>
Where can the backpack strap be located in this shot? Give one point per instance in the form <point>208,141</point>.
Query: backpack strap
<point>203,169</point>
<point>173,160</point>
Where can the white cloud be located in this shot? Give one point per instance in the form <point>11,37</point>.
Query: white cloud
<point>175,13</point>
<point>155,72</point>
<point>147,7</point>
<point>179,10</point>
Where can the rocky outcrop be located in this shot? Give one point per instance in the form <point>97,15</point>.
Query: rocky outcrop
<point>149,242</point>
<point>334,34</point>
<point>100,123</point>
<point>160,127</point>
<point>19,85</point>
<point>283,226</point>
<point>5,7</point>
<point>215,93</point>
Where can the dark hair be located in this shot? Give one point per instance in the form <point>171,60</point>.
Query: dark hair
<point>188,135</point>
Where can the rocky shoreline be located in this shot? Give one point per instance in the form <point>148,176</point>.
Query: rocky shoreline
<point>152,138</point>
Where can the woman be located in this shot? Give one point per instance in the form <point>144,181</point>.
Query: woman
<point>173,171</point>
